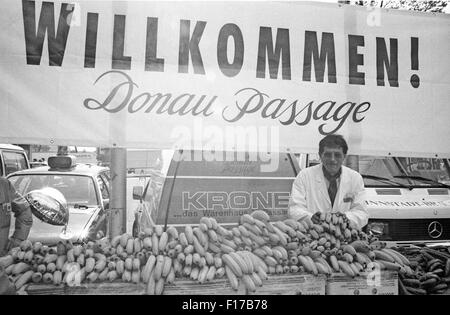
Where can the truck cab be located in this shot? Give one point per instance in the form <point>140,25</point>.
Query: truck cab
<point>12,159</point>
<point>408,199</point>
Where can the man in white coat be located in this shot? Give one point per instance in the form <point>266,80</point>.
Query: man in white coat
<point>329,186</point>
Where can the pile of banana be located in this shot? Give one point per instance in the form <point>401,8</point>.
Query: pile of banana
<point>245,254</point>
<point>431,271</point>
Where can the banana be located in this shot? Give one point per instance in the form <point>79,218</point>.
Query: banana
<point>389,265</point>
<point>200,235</point>
<point>202,274</point>
<point>214,223</point>
<point>167,265</point>
<point>198,247</point>
<point>234,282</point>
<point>223,231</point>
<point>247,240</point>
<point>305,263</point>
<point>257,239</point>
<point>214,248</point>
<point>313,265</point>
<point>294,269</point>
<point>283,237</point>
<point>267,250</point>
<point>163,239</point>
<point>232,265</point>
<point>155,244</point>
<point>360,247</point>
<point>381,255</point>
<point>213,236</point>
<point>256,279</point>
<point>25,277</point>
<point>241,262</point>
<point>354,268</point>
<point>157,272</point>
<point>218,262</point>
<point>246,218</point>
<point>211,274</point>
<point>321,268</point>
<point>279,269</point>
<point>206,221</point>
<point>36,277</point>
<point>243,231</point>
<point>253,228</point>
<point>158,229</point>
<point>183,240</point>
<point>228,243</point>
<point>325,264</point>
<point>270,261</point>
<point>247,259</point>
<point>399,258</point>
<point>269,227</point>
<point>188,232</point>
<point>248,282</point>
<point>345,268</point>
<point>261,215</point>
<point>159,287</point>
<point>283,252</point>
<point>187,271</point>
<point>236,231</point>
<point>358,266</point>
<point>203,227</point>
<point>347,257</point>
<point>360,259</point>
<point>348,249</point>
<point>262,273</point>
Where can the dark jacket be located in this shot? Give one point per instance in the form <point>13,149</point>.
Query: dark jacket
<point>11,201</point>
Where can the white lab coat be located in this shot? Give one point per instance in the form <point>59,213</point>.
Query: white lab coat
<point>310,194</point>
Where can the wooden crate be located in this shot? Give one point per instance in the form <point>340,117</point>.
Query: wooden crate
<point>369,283</point>
<point>284,284</point>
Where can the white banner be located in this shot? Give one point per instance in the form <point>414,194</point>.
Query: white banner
<point>228,75</point>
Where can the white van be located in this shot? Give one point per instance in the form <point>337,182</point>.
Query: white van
<point>12,159</point>
<point>408,199</point>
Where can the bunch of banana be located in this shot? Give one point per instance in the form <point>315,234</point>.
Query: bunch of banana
<point>431,272</point>
<point>246,267</point>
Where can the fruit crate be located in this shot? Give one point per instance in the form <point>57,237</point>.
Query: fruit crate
<point>283,284</point>
<point>368,283</point>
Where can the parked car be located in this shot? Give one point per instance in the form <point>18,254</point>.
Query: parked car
<point>86,189</point>
<point>12,159</point>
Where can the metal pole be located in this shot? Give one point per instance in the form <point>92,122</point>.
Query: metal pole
<point>118,211</point>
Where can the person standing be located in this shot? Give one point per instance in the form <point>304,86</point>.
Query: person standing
<point>329,186</point>
<point>12,202</point>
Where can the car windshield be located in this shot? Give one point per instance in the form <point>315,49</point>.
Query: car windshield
<point>78,190</point>
<point>405,171</point>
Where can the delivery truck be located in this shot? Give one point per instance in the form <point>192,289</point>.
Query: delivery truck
<point>408,199</point>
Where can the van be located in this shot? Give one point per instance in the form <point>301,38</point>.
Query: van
<point>12,159</point>
<point>408,199</point>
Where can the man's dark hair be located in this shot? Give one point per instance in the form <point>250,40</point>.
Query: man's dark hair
<point>333,141</point>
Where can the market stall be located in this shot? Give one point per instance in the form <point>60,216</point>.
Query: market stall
<point>256,256</point>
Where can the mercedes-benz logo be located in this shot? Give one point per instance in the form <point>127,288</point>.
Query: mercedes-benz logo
<point>435,229</point>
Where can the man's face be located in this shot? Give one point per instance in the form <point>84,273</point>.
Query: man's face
<point>332,158</point>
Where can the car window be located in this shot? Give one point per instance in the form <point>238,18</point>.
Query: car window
<point>104,189</point>
<point>14,161</point>
<point>77,189</point>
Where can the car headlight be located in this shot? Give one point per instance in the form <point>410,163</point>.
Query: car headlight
<point>378,228</point>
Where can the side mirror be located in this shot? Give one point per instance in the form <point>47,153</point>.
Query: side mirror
<point>106,204</point>
<point>138,191</point>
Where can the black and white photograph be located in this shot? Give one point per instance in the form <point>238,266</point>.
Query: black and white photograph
<point>225,153</point>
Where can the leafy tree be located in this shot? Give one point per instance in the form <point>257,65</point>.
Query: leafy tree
<point>413,5</point>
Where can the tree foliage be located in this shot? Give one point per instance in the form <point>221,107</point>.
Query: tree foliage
<point>413,5</point>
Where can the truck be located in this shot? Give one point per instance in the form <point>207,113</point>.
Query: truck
<point>408,199</point>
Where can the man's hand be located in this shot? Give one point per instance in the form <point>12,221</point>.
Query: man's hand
<point>13,242</point>
<point>316,217</point>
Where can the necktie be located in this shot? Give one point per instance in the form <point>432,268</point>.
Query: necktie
<point>332,189</point>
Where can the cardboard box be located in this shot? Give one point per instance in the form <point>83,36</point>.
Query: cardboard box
<point>292,284</point>
<point>369,283</point>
